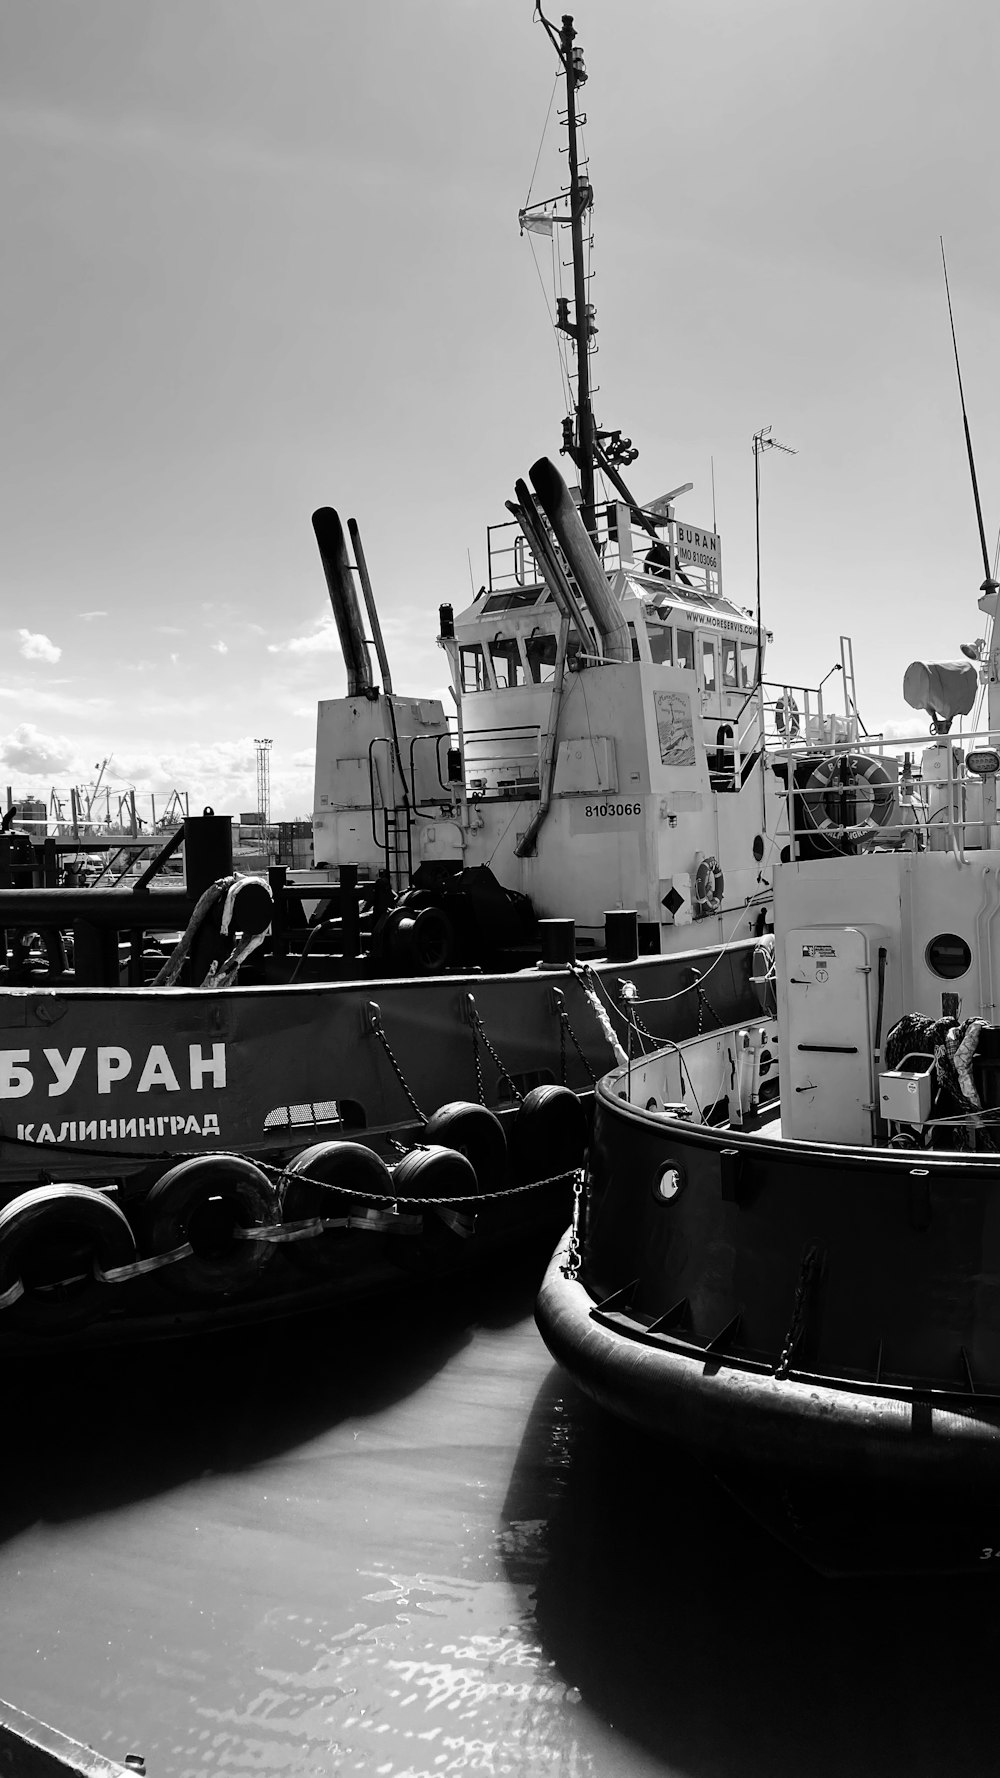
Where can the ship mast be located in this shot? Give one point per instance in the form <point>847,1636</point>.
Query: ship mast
<point>589,447</point>
<point>579,430</point>
<point>582,329</point>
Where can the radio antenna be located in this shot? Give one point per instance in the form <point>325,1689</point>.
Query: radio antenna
<point>989,583</point>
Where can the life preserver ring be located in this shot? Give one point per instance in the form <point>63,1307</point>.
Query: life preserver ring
<point>786,716</point>
<point>550,1133</point>
<point>207,1201</point>
<point>309,1195</point>
<point>54,1242</point>
<point>833,779</point>
<point>709,887</point>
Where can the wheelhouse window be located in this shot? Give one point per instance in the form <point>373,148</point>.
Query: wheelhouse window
<point>708,664</point>
<point>685,648</point>
<point>730,665</point>
<point>661,644</point>
<point>507,664</point>
<point>748,664</point>
<point>474,674</point>
<point>541,653</point>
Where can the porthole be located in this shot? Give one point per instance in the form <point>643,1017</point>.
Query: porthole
<point>668,1182</point>
<point>948,956</point>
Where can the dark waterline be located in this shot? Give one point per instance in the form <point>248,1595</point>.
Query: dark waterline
<point>398,1544</point>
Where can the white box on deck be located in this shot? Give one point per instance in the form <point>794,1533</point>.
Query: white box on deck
<point>828,1088</point>
<point>905,1095</point>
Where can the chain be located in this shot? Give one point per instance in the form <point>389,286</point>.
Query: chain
<point>566,1030</point>
<point>811,1262</point>
<point>478,1028</point>
<point>704,1004</point>
<point>480,1085</point>
<point>574,1252</point>
<point>375,1017</point>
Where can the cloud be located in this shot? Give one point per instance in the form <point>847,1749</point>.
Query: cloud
<point>168,630</point>
<point>27,749</point>
<point>320,641</point>
<point>221,647</point>
<point>36,647</point>
<point>88,616</point>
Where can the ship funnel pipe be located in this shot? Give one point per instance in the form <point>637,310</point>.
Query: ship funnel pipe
<point>346,610</point>
<point>366,588</point>
<point>544,552</point>
<point>577,546</point>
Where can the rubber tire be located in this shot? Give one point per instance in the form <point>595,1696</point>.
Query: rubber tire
<point>99,1227</point>
<point>331,1164</point>
<point>172,1204</point>
<point>434,1172</point>
<point>550,1132</point>
<point>476,1132</point>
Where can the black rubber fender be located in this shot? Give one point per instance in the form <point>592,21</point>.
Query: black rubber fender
<point>476,1132</point>
<point>550,1132</point>
<point>348,1166</point>
<point>52,1232</point>
<point>433,1171</point>
<point>205,1200</point>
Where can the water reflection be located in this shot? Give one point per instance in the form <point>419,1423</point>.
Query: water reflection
<point>710,1647</point>
<point>397,1544</point>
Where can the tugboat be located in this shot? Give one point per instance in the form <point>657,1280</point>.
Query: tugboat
<point>344,1076</point>
<point>786,1258</point>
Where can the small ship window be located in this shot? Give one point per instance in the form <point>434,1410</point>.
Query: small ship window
<point>748,664</point>
<point>474,676</point>
<point>685,648</point>
<point>661,644</point>
<point>730,666</point>
<point>948,956</point>
<point>708,664</point>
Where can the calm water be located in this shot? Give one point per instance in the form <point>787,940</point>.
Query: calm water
<point>401,1546</point>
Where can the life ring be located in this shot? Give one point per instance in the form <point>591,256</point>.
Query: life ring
<point>709,886</point>
<point>851,772</point>
<point>786,716</point>
<point>474,1131</point>
<point>54,1240</point>
<point>207,1202</point>
<point>550,1133</point>
<point>308,1195</point>
<point>432,1171</point>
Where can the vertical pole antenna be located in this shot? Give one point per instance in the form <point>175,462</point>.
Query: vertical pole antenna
<point>965,421</point>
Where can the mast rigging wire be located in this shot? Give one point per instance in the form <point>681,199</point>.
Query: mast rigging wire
<point>965,423</point>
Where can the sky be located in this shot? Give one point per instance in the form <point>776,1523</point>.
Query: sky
<point>261,257</point>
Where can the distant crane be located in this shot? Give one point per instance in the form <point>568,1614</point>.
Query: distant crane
<point>263,747</point>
